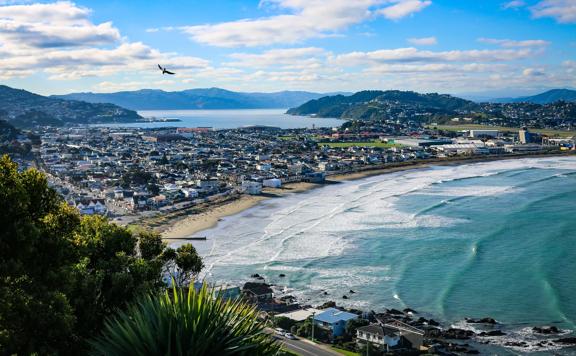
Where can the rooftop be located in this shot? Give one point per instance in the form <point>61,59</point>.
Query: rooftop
<point>333,315</point>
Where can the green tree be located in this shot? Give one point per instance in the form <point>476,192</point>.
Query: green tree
<point>183,264</point>
<point>61,273</point>
<point>185,322</point>
<point>284,322</point>
<point>354,324</point>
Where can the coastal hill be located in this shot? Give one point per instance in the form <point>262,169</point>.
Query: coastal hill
<point>548,97</point>
<point>211,98</point>
<point>23,109</point>
<point>368,105</point>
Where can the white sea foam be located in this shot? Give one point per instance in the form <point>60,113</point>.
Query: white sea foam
<point>326,222</point>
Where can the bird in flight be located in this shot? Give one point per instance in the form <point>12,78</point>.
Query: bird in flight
<point>164,70</point>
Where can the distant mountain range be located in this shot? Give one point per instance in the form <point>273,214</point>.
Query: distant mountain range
<point>548,97</point>
<point>367,105</point>
<point>212,98</point>
<point>24,109</point>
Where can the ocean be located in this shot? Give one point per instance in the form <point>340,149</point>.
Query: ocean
<point>491,239</point>
<point>231,119</point>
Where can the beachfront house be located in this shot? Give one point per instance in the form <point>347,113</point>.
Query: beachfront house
<point>380,338</point>
<point>256,292</point>
<point>334,321</point>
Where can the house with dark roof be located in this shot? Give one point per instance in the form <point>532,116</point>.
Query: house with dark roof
<point>257,293</point>
<point>393,334</point>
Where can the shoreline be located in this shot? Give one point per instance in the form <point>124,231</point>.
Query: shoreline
<point>179,227</point>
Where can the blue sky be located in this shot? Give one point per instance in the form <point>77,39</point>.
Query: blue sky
<point>459,47</point>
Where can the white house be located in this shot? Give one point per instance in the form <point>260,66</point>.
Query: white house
<point>251,187</point>
<point>272,183</point>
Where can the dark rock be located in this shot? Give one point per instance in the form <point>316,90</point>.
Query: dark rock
<point>344,297</point>
<point>408,310</point>
<point>330,304</point>
<point>516,344</point>
<point>325,293</point>
<point>459,334</point>
<point>255,275</point>
<point>394,312</point>
<point>433,322</point>
<point>546,330</point>
<point>492,333</point>
<point>481,321</point>
<point>566,340</point>
<point>351,291</point>
<point>281,275</point>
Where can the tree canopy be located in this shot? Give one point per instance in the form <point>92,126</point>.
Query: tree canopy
<point>61,273</point>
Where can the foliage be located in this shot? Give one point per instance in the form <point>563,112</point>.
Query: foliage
<point>61,273</point>
<point>184,264</point>
<point>354,324</point>
<point>284,322</point>
<point>136,176</point>
<point>185,323</point>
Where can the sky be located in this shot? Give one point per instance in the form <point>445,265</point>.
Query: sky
<point>468,47</point>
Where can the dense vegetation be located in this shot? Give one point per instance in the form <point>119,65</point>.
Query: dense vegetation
<point>188,323</point>
<point>367,104</point>
<point>25,109</point>
<point>62,274</point>
<point>436,108</point>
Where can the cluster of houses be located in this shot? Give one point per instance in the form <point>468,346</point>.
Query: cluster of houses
<point>380,331</point>
<point>123,171</point>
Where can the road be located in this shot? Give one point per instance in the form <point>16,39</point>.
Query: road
<point>307,348</point>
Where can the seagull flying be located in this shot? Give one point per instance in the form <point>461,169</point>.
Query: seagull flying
<point>164,70</point>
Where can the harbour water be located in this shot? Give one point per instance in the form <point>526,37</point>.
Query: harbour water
<point>231,119</point>
<point>488,239</point>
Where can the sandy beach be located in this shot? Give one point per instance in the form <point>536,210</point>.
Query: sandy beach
<point>185,226</point>
<point>194,223</point>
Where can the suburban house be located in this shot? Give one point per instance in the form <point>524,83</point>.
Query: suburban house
<point>256,292</point>
<point>392,334</point>
<point>334,320</point>
<point>380,338</point>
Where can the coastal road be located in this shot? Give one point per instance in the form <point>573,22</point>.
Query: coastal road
<point>307,348</point>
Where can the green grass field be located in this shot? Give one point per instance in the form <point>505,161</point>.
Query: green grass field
<point>358,144</point>
<point>548,132</point>
<point>345,352</point>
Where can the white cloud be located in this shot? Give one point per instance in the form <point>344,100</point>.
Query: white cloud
<point>514,44</point>
<point>305,19</point>
<point>290,57</point>
<point>59,39</point>
<point>563,11</point>
<point>403,8</point>
<point>411,54</point>
<point>60,24</point>
<point>424,41</point>
<point>515,4</point>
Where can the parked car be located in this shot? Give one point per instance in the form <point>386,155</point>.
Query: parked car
<point>280,331</point>
<point>290,336</point>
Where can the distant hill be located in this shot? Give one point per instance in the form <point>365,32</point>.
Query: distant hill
<point>212,98</point>
<point>548,97</point>
<point>378,104</point>
<point>25,109</point>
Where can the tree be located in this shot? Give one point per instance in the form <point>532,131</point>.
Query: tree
<point>354,324</point>
<point>185,322</point>
<point>61,273</point>
<point>284,323</point>
<point>183,264</point>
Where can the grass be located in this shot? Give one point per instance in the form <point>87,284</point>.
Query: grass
<point>345,352</point>
<point>359,144</point>
<point>548,132</point>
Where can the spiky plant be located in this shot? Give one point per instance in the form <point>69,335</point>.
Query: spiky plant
<point>185,322</point>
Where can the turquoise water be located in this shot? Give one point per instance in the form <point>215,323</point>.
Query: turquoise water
<point>231,119</point>
<point>492,239</point>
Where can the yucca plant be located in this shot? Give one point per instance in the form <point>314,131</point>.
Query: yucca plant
<point>185,322</point>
